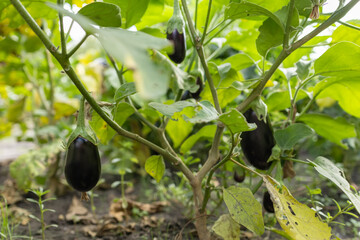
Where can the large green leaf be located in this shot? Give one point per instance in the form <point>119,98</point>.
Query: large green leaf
<point>207,132</point>
<point>281,100</point>
<point>345,90</point>
<point>288,137</point>
<point>122,112</point>
<point>239,61</point>
<point>344,33</point>
<point>236,122</point>
<point>304,53</point>
<point>271,6</point>
<point>131,11</point>
<point>271,33</point>
<point>157,12</point>
<point>329,170</point>
<point>244,9</point>
<point>244,208</point>
<point>170,109</point>
<point>178,129</point>
<point>206,113</point>
<point>103,14</point>
<point>102,130</point>
<point>341,60</point>
<point>333,129</point>
<point>125,90</point>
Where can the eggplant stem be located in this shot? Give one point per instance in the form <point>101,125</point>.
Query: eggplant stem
<point>84,197</point>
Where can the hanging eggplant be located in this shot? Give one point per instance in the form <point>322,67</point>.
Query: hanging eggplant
<point>176,34</point>
<point>83,166</point>
<point>257,144</point>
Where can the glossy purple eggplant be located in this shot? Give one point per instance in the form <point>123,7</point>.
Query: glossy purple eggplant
<point>179,42</point>
<point>196,95</point>
<point>268,203</point>
<point>239,177</point>
<point>257,144</point>
<point>83,166</point>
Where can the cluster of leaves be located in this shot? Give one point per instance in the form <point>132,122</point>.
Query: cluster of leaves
<point>306,98</point>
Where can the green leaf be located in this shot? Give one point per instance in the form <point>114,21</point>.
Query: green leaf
<point>207,113</point>
<point>122,112</point>
<point>227,228</point>
<point>131,48</point>
<point>288,137</point>
<point>329,170</point>
<point>281,100</point>
<point>344,33</point>
<point>346,64</point>
<point>239,61</point>
<point>333,129</point>
<point>272,6</point>
<point>103,14</point>
<point>207,132</point>
<point>304,53</point>
<point>170,109</point>
<point>102,130</point>
<point>304,7</point>
<point>303,69</point>
<point>271,34</point>
<point>246,9</point>
<point>16,110</point>
<point>345,90</point>
<point>155,167</point>
<point>236,122</point>
<point>178,129</point>
<point>131,11</point>
<point>125,90</point>
<point>244,208</point>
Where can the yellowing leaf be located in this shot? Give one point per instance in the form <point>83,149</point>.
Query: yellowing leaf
<point>227,228</point>
<point>244,208</point>
<point>155,167</point>
<point>65,108</point>
<point>297,219</point>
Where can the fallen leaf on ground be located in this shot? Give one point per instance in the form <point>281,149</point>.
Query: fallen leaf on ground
<point>119,213</point>
<point>78,213</point>
<point>10,193</point>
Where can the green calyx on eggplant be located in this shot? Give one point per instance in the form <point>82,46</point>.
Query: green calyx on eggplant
<point>175,32</point>
<point>83,166</point>
<point>268,203</point>
<point>257,144</point>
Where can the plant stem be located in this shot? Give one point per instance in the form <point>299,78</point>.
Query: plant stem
<point>62,32</point>
<point>213,169</point>
<point>217,33</point>
<point>68,33</point>
<point>349,25</point>
<point>42,217</point>
<point>288,25</point>
<point>51,92</point>
<point>81,114</point>
<point>206,23</point>
<point>77,46</point>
